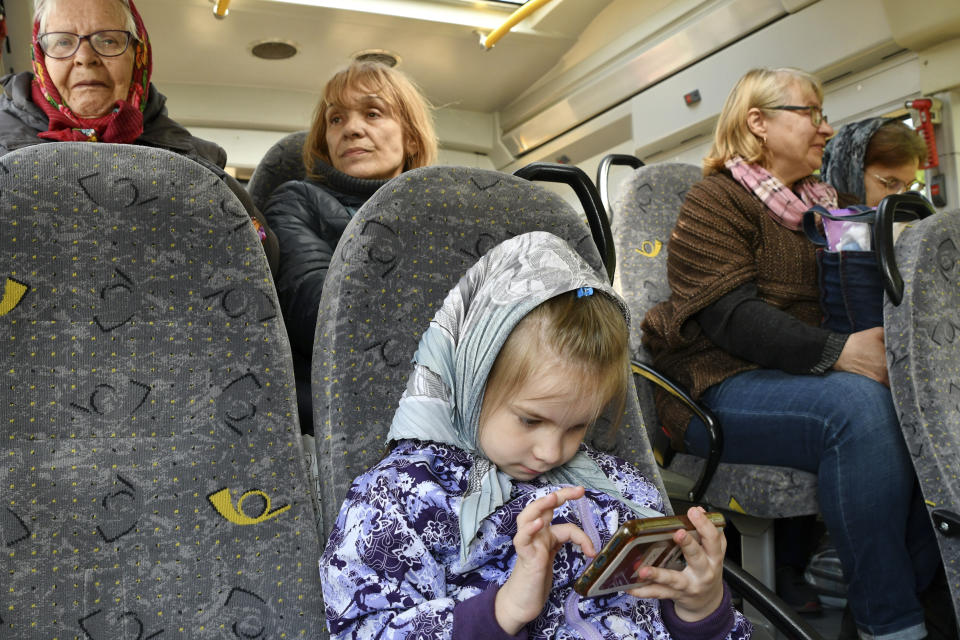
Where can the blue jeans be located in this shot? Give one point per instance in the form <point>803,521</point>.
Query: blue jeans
<point>844,428</point>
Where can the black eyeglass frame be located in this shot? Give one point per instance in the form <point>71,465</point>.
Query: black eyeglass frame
<point>88,38</point>
<point>814,120</point>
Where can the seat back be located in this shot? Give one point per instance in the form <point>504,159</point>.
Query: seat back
<point>399,256</point>
<point>282,162</point>
<point>647,209</point>
<point>153,481</point>
<point>922,337</point>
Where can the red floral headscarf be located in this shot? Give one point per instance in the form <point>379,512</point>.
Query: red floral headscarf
<point>124,124</point>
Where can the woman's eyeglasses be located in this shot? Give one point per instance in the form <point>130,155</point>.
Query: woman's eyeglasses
<point>895,185</point>
<point>62,44</point>
<point>817,115</point>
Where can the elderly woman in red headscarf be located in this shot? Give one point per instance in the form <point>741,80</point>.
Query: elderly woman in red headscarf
<point>91,83</point>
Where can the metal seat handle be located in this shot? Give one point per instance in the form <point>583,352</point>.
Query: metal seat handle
<point>603,176</point>
<point>589,200</point>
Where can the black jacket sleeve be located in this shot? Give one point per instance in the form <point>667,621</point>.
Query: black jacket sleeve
<point>308,223</point>
<point>744,325</point>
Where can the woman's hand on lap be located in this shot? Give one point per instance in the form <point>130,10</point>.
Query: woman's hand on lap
<point>865,353</point>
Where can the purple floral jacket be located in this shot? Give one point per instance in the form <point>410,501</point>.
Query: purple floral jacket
<point>392,566</point>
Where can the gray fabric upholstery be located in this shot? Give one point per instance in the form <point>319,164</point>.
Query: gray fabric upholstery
<point>646,211</point>
<point>922,335</point>
<point>282,162</point>
<point>405,248</point>
<point>153,482</point>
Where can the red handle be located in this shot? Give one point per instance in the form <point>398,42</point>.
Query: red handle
<point>922,107</point>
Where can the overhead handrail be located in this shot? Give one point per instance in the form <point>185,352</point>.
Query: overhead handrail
<point>494,36</point>
<point>603,176</point>
<point>221,8</point>
<point>589,200</point>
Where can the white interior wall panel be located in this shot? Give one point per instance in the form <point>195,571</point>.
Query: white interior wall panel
<point>827,38</point>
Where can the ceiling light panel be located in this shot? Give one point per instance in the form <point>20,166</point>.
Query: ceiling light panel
<point>476,15</point>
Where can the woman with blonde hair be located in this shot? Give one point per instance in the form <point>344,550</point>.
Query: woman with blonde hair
<point>741,332</point>
<point>371,125</point>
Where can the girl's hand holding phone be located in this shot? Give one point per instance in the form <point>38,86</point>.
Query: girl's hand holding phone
<point>524,594</point>
<point>697,590</point>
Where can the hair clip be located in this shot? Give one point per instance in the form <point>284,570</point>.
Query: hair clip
<point>583,292</point>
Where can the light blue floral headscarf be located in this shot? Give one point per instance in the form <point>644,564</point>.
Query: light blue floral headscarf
<point>444,394</point>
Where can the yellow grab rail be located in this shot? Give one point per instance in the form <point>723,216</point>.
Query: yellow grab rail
<point>515,17</point>
<point>221,8</point>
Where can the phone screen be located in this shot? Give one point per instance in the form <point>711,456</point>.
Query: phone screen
<point>657,550</point>
<point>639,543</point>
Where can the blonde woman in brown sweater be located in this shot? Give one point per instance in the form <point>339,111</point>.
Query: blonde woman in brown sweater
<point>741,331</point>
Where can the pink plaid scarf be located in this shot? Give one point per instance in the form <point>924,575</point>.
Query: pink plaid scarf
<point>783,205</point>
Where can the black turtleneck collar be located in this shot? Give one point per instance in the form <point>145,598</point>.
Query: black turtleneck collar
<point>344,183</point>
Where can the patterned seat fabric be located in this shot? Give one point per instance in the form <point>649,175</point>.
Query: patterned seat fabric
<point>646,212</point>
<point>153,483</point>
<point>923,355</point>
<point>282,162</point>
<point>406,247</point>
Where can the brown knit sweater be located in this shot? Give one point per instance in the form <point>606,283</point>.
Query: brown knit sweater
<point>723,238</point>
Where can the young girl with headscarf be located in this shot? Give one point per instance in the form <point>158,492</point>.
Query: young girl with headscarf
<point>489,507</point>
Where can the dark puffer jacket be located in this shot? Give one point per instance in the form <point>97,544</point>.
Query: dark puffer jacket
<point>309,217</point>
<point>21,120</point>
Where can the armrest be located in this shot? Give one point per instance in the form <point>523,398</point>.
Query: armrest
<point>946,522</point>
<point>770,606</point>
<point>714,431</point>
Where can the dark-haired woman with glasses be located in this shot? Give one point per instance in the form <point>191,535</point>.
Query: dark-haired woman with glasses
<point>741,331</point>
<point>92,63</point>
<point>874,158</point>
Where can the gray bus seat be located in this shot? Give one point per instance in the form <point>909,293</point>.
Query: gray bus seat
<point>282,162</point>
<point>153,482</point>
<point>405,248</point>
<point>646,212</point>
<point>922,336</point>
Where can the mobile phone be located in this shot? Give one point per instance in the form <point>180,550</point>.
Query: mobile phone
<point>638,543</point>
